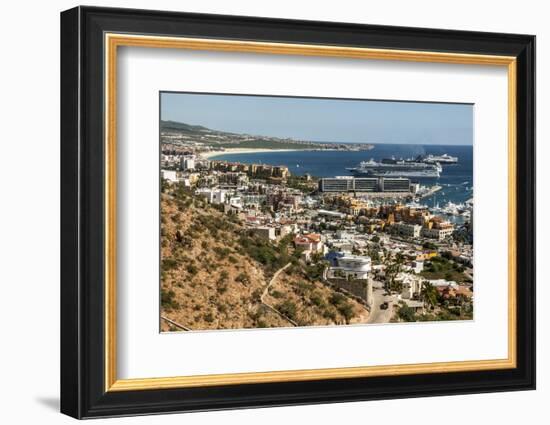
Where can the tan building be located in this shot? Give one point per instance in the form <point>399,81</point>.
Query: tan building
<point>309,242</point>
<point>409,230</point>
<point>265,232</point>
<point>438,231</point>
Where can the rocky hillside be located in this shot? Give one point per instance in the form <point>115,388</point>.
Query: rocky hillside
<point>215,275</point>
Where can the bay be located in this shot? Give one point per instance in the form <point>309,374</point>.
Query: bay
<point>456,180</point>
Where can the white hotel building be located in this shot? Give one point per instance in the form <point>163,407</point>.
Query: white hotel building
<point>351,266</point>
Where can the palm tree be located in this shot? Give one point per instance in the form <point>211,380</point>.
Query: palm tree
<point>429,294</point>
<point>393,268</point>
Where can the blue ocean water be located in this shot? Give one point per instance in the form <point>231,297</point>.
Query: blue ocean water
<point>456,180</point>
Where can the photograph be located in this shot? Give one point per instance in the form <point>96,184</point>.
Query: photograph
<point>282,212</point>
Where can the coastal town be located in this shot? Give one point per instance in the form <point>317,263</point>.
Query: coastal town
<point>354,249</point>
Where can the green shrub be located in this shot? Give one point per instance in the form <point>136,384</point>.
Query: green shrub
<point>288,308</point>
<point>232,259</point>
<point>167,300</point>
<point>169,264</point>
<point>302,288</point>
<point>344,307</point>
<point>346,310</point>
<point>221,252</point>
<point>276,294</point>
<point>317,299</point>
<point>329,313</point>
<point>270,256</point>
<point>192,269</point>
<point>336,298</point>
<point>406,314</point>
<point>315,271</point>
<point>243,278</point>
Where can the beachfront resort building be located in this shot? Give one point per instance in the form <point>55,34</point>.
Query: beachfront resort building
<point>365,184</point>
<point>187,162</point>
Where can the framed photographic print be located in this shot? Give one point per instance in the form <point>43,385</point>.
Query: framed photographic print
<point>261,212</point>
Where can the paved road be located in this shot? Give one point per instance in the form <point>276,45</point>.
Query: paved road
<point>377,315</point>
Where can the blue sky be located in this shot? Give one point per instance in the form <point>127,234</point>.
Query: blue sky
<point>337,120</point>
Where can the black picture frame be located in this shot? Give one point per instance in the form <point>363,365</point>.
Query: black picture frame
<point>83,392</point>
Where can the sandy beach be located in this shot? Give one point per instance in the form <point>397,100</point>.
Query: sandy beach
<point>211,154</point>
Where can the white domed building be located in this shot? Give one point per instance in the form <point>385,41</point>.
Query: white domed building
<point>352,267</point>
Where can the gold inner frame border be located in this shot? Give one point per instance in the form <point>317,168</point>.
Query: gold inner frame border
<point>112,41</point>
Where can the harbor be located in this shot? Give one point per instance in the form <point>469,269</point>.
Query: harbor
<point>429,191</point>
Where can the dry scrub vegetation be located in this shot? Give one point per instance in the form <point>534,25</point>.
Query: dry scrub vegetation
<point>214,272</point>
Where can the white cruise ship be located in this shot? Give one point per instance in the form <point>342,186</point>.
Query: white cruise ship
<point>396,168</point>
